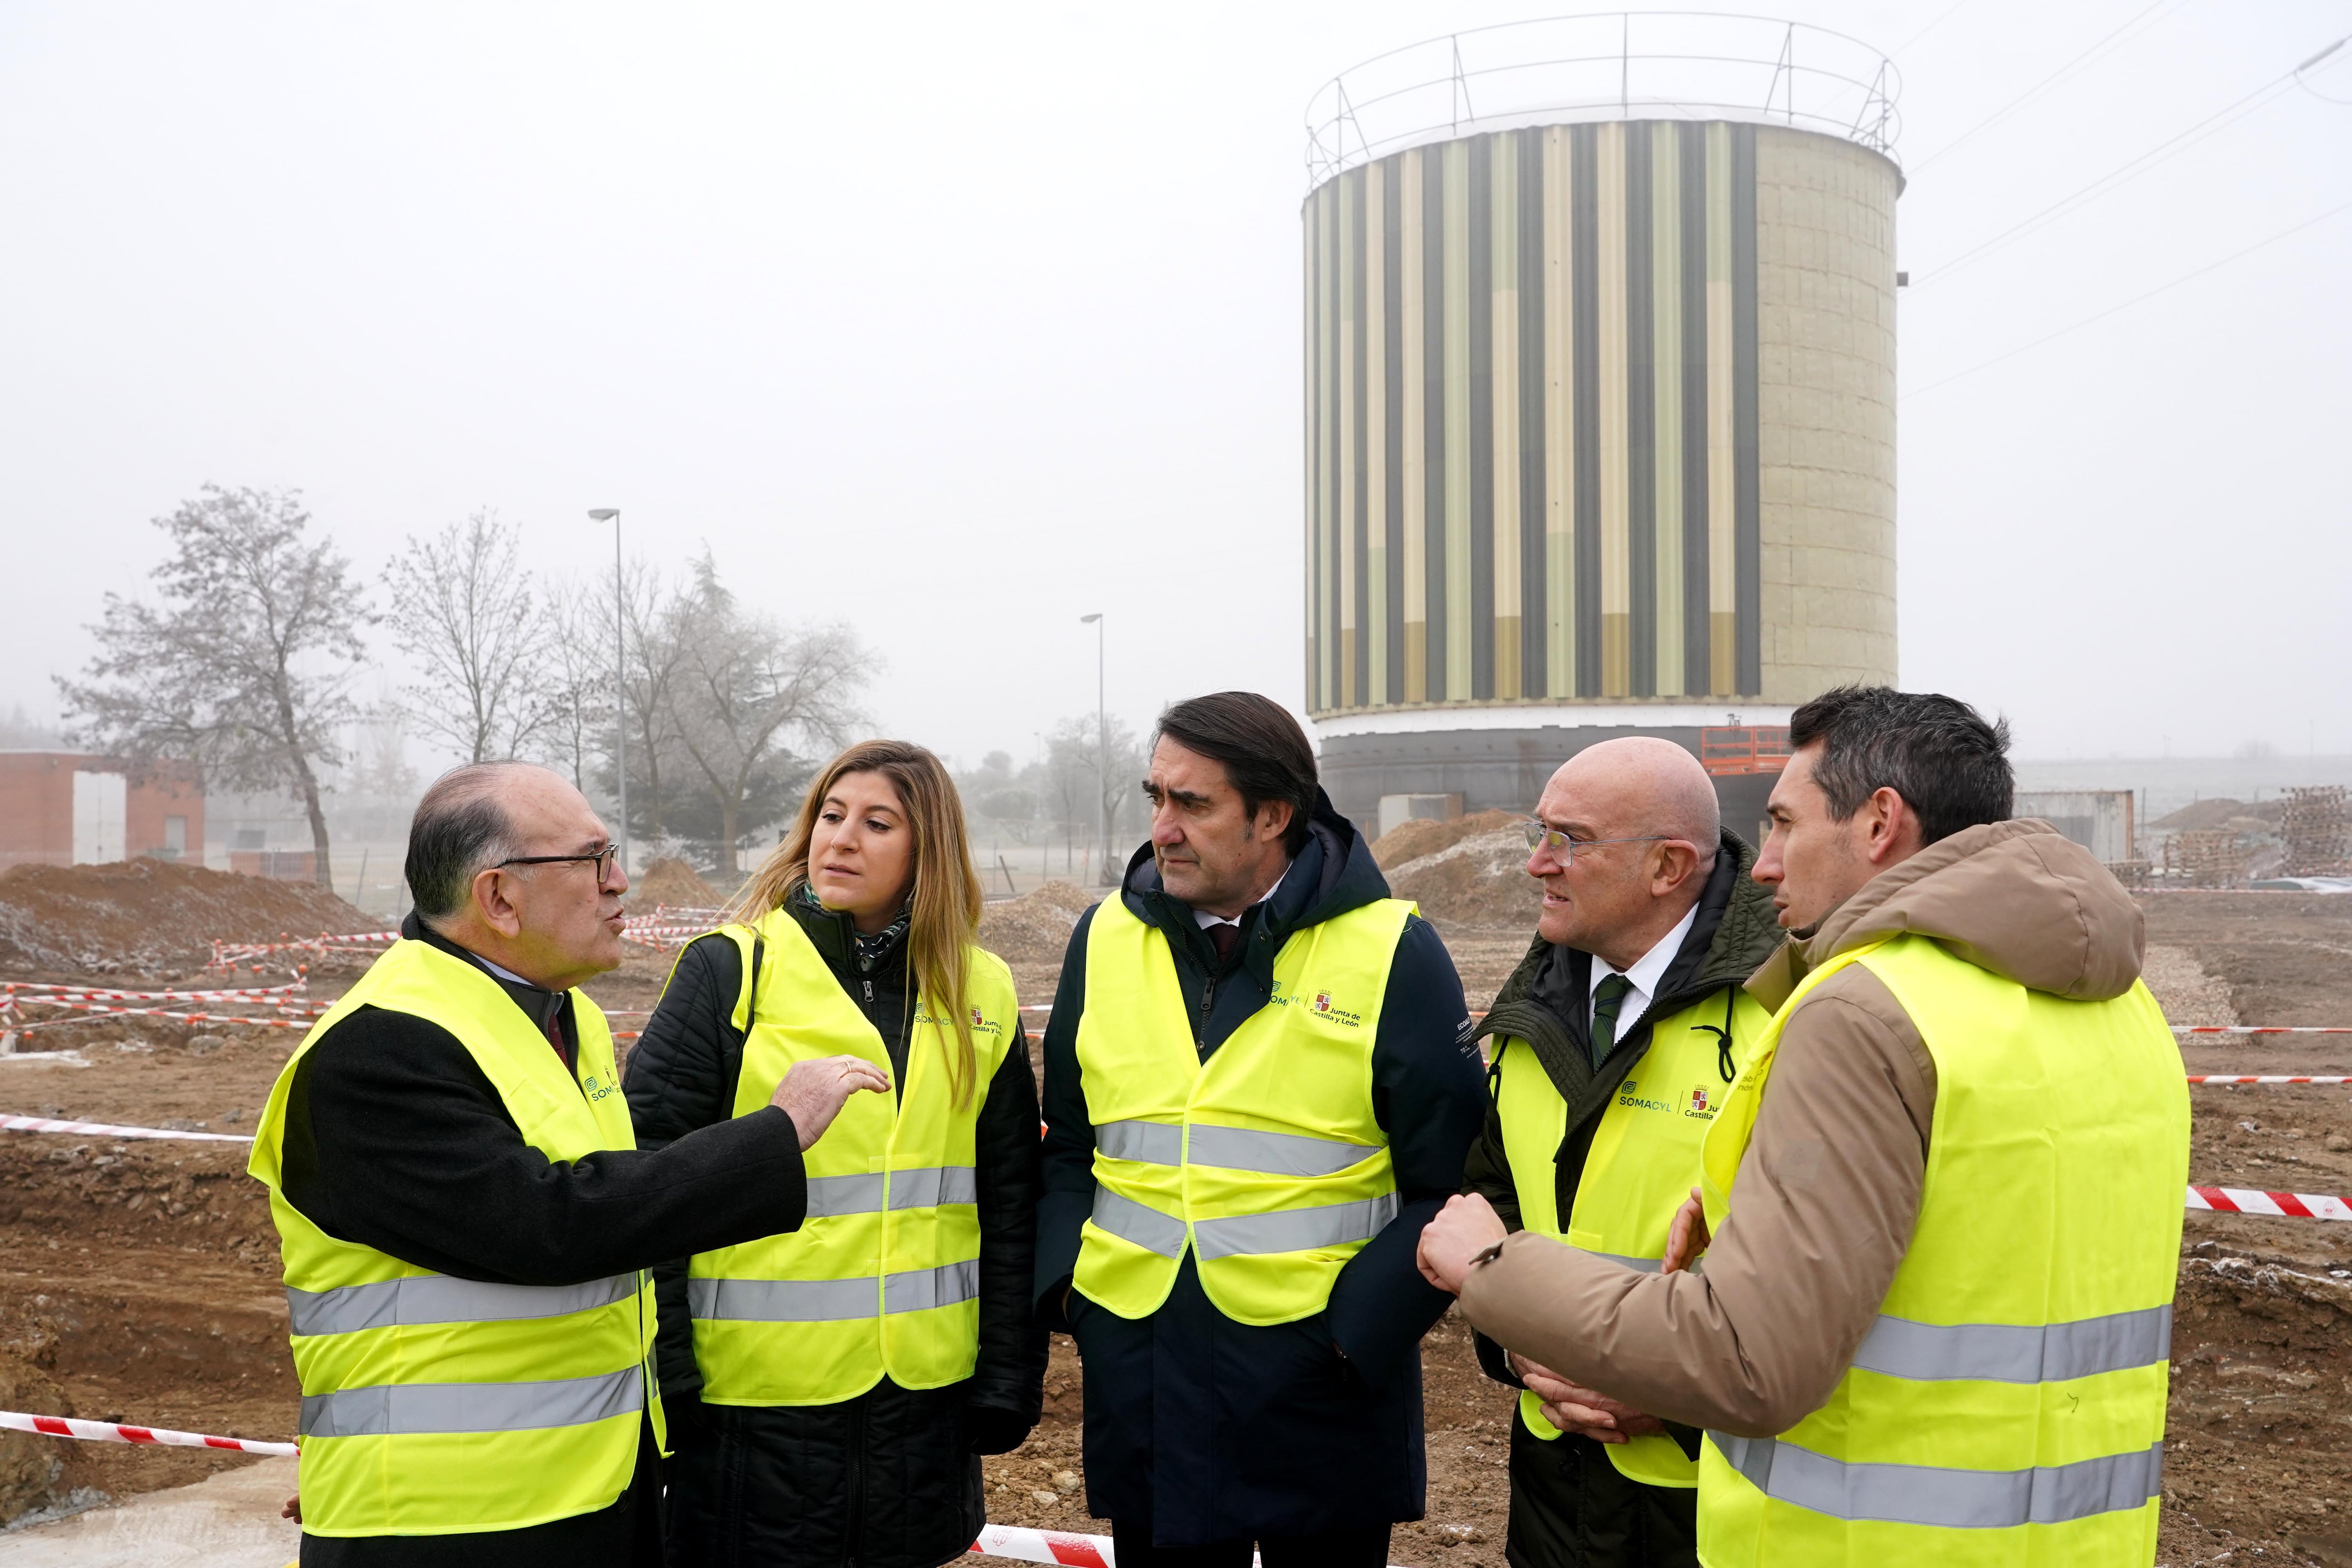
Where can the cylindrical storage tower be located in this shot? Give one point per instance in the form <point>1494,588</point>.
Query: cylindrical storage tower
<point>1600,398</point>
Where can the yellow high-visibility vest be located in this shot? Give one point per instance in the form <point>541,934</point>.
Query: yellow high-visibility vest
<point>2008,1406</point>
<point>432,1405</point>
<point>883,1278</point>
<point>1644,1162</point>
<point>1265,1161</point>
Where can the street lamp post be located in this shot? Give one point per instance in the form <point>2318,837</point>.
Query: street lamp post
<point>620,682</point>
<point>1111,868</point>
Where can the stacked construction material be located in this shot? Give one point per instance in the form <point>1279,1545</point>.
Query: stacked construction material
<point>2318,831</point>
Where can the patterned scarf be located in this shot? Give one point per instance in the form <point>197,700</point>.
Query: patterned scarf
<point>872,950</point>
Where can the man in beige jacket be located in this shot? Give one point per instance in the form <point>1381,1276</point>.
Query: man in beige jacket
<point>1890,819</point>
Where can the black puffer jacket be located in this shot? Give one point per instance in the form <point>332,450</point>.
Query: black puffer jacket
<point>1570,1508</point>
<point>891,1479</point>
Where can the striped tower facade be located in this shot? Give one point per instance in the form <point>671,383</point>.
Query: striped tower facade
<point>1600,439</point>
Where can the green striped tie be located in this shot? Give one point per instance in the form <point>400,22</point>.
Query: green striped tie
<point>1606,1000</point>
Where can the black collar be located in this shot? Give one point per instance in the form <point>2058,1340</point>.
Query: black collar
<point>539,1005</point>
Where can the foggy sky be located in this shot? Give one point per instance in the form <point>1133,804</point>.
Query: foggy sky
<point>957,323</point>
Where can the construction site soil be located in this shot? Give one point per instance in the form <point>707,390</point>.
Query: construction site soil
<point>139,1278</point>
<point>149,915</point>
<point>673,882</point>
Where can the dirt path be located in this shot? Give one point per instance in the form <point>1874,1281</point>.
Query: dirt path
<point>144,1277</point>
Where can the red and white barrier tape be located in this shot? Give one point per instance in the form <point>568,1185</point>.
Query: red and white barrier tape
<point>101,1009</point>
<point>2266,1077</point>
<point>2244,1200</point>
<point>225,953</point>
<point>1026,1545</point>
<point>2257,1029</point>
<point>107,1130</point>
<point>114,1432</point>
<point>8,989</point>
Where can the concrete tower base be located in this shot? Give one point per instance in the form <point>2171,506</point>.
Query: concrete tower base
<point>1499,758</point>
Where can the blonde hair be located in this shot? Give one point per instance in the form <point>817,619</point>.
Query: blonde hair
<point>944,909</point>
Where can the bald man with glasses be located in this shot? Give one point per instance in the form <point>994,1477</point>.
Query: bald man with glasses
<point>1609,1050</point>
<point>464,1218</point>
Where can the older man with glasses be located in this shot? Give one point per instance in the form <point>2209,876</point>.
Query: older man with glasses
<point>1612,1045</point>
<point>466,1221</point>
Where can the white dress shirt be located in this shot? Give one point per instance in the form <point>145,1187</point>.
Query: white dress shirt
<point>1644,977</point>
<point>1204,919</point>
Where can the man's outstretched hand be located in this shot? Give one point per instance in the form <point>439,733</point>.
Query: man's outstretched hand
<point>814,1093</point>
<point>1467,1227</point>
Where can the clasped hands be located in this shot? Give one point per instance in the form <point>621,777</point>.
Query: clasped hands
<point>814,1093</point>
<point>1468,1227</point>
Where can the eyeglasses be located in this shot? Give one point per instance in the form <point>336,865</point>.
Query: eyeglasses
<point>1563,847</point>
<point>605,858</point>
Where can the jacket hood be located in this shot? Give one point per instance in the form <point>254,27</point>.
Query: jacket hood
<point>2017,899</point>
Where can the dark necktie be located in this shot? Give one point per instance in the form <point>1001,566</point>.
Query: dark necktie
<point>555,1030</point>
<point>1222,936</point>
<point>1607,998</point>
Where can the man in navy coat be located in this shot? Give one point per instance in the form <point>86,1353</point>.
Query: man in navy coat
<point>1205,1435</point>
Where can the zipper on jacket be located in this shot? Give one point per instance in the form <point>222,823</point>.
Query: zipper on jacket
<point>1208,999</point>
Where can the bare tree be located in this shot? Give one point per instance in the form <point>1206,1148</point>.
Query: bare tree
<point>1086,790</point>
<point>749,689</point>
<point>243,671</point>
<point>651,673</point>
<point>465,609</point>
<point>575,681</point>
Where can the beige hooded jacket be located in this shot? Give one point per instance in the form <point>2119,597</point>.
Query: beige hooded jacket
<point>1830,1187</point>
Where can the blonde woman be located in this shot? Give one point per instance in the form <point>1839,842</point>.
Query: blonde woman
<point>830,1389</point>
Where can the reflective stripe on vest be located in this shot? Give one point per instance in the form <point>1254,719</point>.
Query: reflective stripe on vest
<point>1266,1159</point>
<point>1639,1167</point>
<point>437,1299</point>
<point>1231,1149</point>
<point>1944,1498</point>
<point>2003,1353</point>
<point>863,1194</point>
<point>2015,1377</point>
<point>882,1277</point>
<point>411,1407</point>
<point>558,1383</point>
<point>830,1300</point>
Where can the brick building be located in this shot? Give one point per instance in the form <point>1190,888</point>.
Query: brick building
<point>72,808</point>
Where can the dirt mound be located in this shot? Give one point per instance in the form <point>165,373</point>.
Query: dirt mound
<point>29,1465</point>
<point>1422,836</point>
<point>670,880</point>
<point>152,914</point>
<point>1036,927</point>
<point>1480,880</point>
<point>2221,811</point>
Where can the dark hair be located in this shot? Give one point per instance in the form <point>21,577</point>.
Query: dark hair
<point>1934,751</point>
<point>1265,752</point>
<point>459,830</point>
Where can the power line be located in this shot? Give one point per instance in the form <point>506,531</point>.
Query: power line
<point>2136,299</point>
<point>2220,120</point>
<point>2037,88</point>
<point>1941,16</point>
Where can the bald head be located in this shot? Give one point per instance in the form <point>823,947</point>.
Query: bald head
<point>509,861</point>
<point>1647,813</point>
<point>1641,785</point>
<point>464,822</point>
